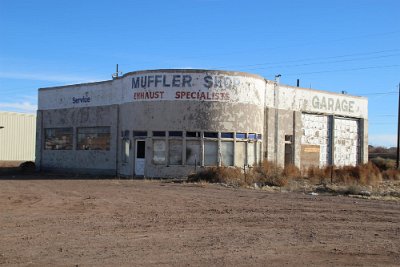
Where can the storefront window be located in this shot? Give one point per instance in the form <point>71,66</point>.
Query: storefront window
<point>251,153</point>
<point>58,139</point>
<point>159,147</point>
<point>94,138</point>
<point>210,153</point>
<point>193,151</point>
<point>175,152</point>
<point>240,154</point>
<point>227,153</point>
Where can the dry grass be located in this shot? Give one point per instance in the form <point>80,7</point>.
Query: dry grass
<point>271,174</point>
<point>384,164</point>
<point>392,174</point>
<point>227,175</point>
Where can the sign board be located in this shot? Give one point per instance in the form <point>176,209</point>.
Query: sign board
<point>309,156</point>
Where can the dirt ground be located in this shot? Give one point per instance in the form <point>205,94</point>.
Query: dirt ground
<point>63,222</point>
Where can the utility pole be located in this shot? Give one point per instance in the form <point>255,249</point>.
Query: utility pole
<point>398,133</point>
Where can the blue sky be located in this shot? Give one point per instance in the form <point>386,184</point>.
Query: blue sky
<point>329,45</point>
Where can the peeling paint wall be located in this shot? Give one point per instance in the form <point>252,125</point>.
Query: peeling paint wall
<point>315,131</point>
<point>74,159</point>
<point>314,101</point>
<point>346,142</point>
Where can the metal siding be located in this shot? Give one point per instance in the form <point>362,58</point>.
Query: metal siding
<point>17,138</point>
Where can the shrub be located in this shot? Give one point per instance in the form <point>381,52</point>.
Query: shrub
<point>391,174</point>
<point>369,174</point>
<point>229,175</point>
<point>318,175</point>
<point>364,174</point>
<point>384,164</point>
<point>269,173</point>
<point>291,172</point>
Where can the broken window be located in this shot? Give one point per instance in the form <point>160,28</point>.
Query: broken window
<point>226,135</point>
<point>210,135</point>
<point>192,134</point>
<point>58,139</point>
<point>94,138</point>
<point>193,152</point>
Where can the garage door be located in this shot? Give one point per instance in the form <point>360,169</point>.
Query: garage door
<point>314,140</point>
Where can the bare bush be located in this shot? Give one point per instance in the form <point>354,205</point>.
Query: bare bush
<point>384,164</point>
<point>391,174</point>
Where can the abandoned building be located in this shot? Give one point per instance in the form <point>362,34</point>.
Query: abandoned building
<point>169,123</point>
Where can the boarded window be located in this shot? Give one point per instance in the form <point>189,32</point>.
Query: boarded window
<point>227,153</point>
<point>210,153</point>
<point>58,139</point>
<point>193,152</point>
<point>240,154</point>
<point>159,151</point>
<point>175,152</point>
<point>251,153</point>
<point>94,138</point>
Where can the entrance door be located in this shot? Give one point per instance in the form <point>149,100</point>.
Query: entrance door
<point>140,157</point>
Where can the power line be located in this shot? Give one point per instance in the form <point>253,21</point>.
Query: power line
<point>311,59</point>
<point>341,70</point>
<point>381,93</point>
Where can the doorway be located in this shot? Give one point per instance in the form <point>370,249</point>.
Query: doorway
<point>140,157</point>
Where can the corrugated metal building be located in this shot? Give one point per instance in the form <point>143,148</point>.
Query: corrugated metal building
<point>17,136</point>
